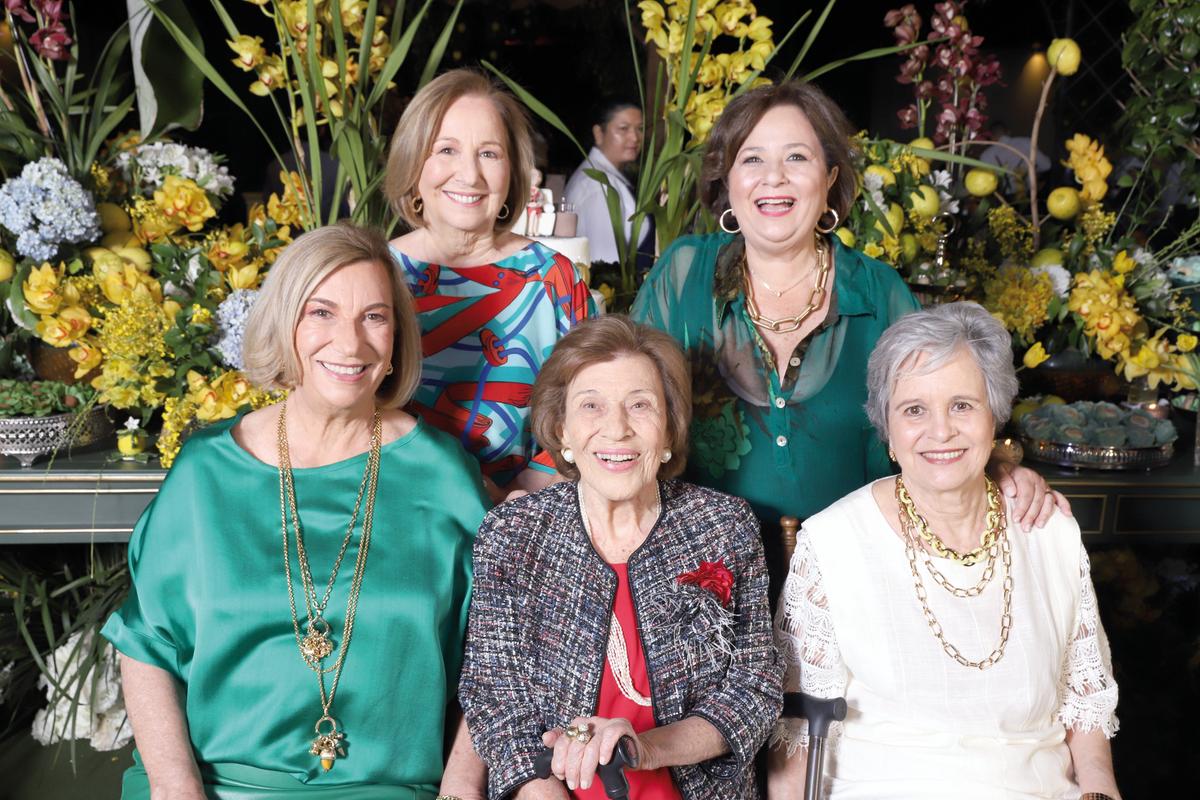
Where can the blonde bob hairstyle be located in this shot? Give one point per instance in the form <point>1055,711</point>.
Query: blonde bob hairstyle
<point>595,341</point>
<point>269,349</point>
<point>412,142</point>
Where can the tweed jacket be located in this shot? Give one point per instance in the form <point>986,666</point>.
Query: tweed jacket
<point>539,622</point>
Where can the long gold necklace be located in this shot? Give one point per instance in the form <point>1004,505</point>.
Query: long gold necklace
<point>1000,545</point>
<point>317,645</point>
<point>815,299</point>
<point>994,524</point>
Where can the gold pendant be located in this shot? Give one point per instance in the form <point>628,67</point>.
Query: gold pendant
<point>328,746</point>
<point>316,645</point>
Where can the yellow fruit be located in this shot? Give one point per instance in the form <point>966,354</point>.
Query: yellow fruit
<point>908,247</point>
<point>895,218</point>
<point>1063,203</point>
<point>1047,256</point>
<point>846,235</point>
<point>925,201</point>
<point>8,265</point>
<point>130,443</point>
<point>886,175</point>
<point>1053,400</point>
<point>135,255</point>
<point>923,142</point>
<point>981,182</point>
<point>120,239</point>
<point>1022,408</point>
<point>1064,54</point>
<point>113,218</point>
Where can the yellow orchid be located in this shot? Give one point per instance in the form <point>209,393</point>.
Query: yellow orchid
<point>87,357</point>
<point>41,289</point>
<point>1034,355</point>
<point>184,202</point>
<point>1186,342</point>
<point>270,76</point>
<point>228,248</point>
<point>759,29</point>
<point>1153,361</point>
<point>249,49</point>
<point>653,16</point>
<point>1123,263</point>
<point>243,277</point>
<point>1090,166</point>
<point>53,331</point>
<point>728,15</point>
<point>711,72</point>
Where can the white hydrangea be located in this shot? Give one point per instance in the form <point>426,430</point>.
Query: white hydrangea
<point>231,325</point>
<point>93,707</point>
<point>1060,278</point>
<point>46,208</point>
<point>150,164</point>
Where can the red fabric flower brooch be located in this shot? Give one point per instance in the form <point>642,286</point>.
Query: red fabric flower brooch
<point>712,576</point>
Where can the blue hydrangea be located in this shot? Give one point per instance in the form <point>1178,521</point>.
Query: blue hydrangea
<point>45,208</point>
<point>231,325</point>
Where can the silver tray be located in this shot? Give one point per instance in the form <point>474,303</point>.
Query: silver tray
<point>1096,457</point>
<point>27,438</point>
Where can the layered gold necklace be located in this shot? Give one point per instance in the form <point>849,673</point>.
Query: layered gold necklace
<point>316,644</point>
<point>815,299</point>
<point>995,545</point>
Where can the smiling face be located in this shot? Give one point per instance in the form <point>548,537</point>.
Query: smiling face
<point>621,138</point>
<point>616,424</point>
<point>344,338</point>
<point>464,182</point>
<point>779,184</point>
<point>940,425</point>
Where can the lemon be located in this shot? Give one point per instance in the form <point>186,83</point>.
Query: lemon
<point>135,255</point>
<point>1022,408</point>
<point>1063,203</point>
<point>846,235</point>
<point>925,201</point>
<point>981,182</point>
<point>130,443</point>
<point>923,142</point>
<point>908,247</point>
<point>895,218</point>
<point>113,218</point>
<point>1047,256</point>
<point>1064,54</point>
<point>886,175</point>
<point>8,265</point>
<point>120,239</point>
<point>1053,400</point>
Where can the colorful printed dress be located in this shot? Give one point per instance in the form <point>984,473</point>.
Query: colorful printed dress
<point>485,333</point>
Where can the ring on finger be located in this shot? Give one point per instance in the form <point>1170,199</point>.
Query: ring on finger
<point>583,736</point>
<point>571,732</point>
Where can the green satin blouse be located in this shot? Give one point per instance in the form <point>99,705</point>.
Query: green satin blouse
<point>209,605</point>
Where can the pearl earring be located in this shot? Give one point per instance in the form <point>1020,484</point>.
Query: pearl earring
<point>666,456</point>
<point>568,455</point>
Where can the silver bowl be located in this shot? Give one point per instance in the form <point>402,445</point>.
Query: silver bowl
<point>28,438</point>
<point>1096,457</point>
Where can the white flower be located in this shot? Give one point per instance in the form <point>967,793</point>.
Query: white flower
<point>91,706</point>
<point>941,179</point>
<point>149,165</point>
<point>872,181</point>
<point>1060,278</point>
<point>132,424</point>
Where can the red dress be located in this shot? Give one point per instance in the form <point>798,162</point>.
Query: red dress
<point>656,784</point>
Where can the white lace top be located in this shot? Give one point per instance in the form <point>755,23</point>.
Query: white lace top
<point>920,724</point>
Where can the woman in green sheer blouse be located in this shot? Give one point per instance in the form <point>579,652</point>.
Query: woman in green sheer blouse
<point>300,583</point>
<point>778,317</point>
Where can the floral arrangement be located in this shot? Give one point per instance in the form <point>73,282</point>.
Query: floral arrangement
<point>45,207</point>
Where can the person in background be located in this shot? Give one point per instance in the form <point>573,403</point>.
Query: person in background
<point>618,132</point>
<point>971,656</point>
<point>492,304</point>
<point>256,669</point>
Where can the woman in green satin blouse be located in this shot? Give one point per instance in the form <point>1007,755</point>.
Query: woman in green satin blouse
<point>300,584</point>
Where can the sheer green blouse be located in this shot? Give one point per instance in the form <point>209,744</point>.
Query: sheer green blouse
<point>209,605</point>
<point>790,440</point>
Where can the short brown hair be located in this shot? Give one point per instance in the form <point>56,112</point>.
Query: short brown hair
<point>269,350</point>
<point>595,341</point>
<point>733,127</point>
<point>413,141</point>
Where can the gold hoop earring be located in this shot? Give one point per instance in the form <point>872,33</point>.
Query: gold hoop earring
<point>504,212</point>
<point>418,205</point>
<point>836,221</point>
<point>725,227</point>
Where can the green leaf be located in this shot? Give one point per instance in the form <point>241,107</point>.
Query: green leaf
<point>170,89</point>
<point>812,37</point>
<point>535,105</point>
<point>439,47</point>
<point>865,55</point>
<point>16,299</point>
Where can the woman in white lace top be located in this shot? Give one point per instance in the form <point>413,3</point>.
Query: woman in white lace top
<point>971,655</point>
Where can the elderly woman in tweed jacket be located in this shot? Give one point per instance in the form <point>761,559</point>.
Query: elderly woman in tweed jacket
<point>621,604</point>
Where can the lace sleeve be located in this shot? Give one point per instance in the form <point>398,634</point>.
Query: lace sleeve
<point>806,639</point>
<point>1087,690</point>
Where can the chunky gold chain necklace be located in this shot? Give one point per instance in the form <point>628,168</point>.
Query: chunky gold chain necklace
<point>815,300</point>
<point>316,645</point>
<point>994,522</point>
<point>1000,545</point>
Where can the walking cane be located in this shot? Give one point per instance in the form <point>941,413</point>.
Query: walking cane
<point>612,774</point>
